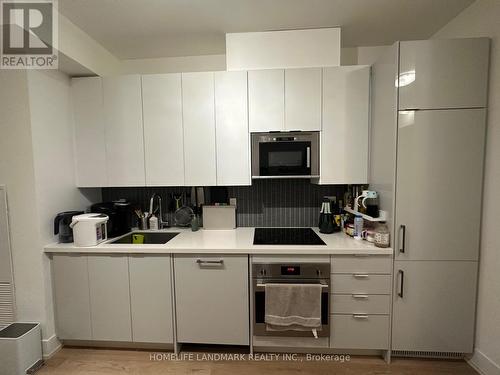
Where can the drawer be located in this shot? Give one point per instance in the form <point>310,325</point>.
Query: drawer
<point>360,304</point>
<point>360,283</point>
<point>361,264</point>
<point>359,331</point>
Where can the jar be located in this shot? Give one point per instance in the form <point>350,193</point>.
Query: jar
<point>382,235</point>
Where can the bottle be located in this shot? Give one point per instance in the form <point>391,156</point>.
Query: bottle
<point>194,223</point>
<point>153,222</point>
<point>358,227</point>
<point>382,235</point>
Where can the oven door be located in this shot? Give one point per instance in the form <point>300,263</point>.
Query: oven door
<point>259,324</point>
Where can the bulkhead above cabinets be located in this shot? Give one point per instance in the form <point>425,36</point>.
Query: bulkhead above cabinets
<point>193,129</point>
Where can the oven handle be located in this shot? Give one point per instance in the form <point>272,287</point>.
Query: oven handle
<point>308,156</point>
<point>262,285</point>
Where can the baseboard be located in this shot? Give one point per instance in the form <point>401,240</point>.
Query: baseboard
<point>482,364</point>
<point>50,346</point>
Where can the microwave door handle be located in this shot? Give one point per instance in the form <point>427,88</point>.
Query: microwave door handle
<point>308,157</point>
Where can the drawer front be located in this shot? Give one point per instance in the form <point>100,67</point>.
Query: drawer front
<point>211,295</point>
<point>360,304</point>
<point>361,283</point>
<point>361,264</point>
<point>359,331</point>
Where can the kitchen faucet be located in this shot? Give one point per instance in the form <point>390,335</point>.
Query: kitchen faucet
<point>161,224</point>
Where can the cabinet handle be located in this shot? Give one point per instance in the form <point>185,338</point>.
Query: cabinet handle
<point>360,296</point>
<point>359,316</point>
<point>201,261</point>
<point>360,276</point>
<point>308,157</point>
<point>402,228</point>
<point>401,276</point>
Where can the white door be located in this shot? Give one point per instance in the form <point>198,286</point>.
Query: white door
<point>303,99</point>
<point>199,129</point>
<point>109,297</point>
<point>163,134</point>
<point>446,73</point>
<point>434,306</point>
<point>90,140</point>
<point>71,297</point>
<point>231,123</point>
<point>266,100</point>
<point>439,184</point>
<point>211,293</point>
<point>124,131</point>
<point>345,128</point>
<point>151,298</point>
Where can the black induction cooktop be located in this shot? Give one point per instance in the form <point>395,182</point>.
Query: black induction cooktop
<point>286,236</point>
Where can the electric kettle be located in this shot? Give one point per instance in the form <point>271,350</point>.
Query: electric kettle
<point>61,225</point>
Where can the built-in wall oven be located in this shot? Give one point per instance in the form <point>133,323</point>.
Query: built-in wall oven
<point>299,273</point>
<point>285,155</point>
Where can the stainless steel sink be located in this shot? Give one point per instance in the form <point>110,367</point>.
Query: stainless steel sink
<point>149,238</point>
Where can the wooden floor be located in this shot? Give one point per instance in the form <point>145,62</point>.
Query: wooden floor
<point>79,361</point>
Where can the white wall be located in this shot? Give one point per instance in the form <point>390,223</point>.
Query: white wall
<point>362,55</point>
<point>482,18</point>
<point>53,161</point>
<point>202,63</point>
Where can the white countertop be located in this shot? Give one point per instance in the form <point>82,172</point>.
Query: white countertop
<point>236,241</point>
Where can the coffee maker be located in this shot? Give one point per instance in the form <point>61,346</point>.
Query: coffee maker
<point>119,213</point>
<point>61,225</point>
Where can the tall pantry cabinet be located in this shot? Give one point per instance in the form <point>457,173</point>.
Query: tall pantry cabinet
<point>440,114</point>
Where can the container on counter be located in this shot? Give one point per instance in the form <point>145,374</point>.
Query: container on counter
<point>382,235</point>
<point>358,227</point>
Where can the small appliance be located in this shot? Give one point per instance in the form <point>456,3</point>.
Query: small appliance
<point>61,225</point>
<point>327,224</point>
<point>369,203</point>
<point>119,213</point>
<point>89,229</point>
<point>285,155</point>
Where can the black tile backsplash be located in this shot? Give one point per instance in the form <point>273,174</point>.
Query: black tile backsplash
<point>267,203</point>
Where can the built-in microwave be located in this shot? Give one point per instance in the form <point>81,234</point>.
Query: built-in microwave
<point>285,155</point>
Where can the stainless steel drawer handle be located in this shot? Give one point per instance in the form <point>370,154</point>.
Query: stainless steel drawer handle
<point>359,316</point>
<point>360,276</point>
<point>201,261</point>
<point>262,285</point>
<point>360,296</point>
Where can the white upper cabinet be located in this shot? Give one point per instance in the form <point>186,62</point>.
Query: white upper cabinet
<point>124,131</point>
<point>344,136</point>
<point>266,100</point>
<point>163,134</point>
<point>441,74</point>
<point>303,99</point>
<point>90,149</point>
<point>231,122</point>
<point>199,129</point>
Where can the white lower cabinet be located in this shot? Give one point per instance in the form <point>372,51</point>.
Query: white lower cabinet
<point>71,294</point>
<point>109,298</point>
<point>151,298</point>
<point>434,306</point>
<point>211,294</point>
<point>359,331</point>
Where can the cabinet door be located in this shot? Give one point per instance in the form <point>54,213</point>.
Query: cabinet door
<point>439,184</point>
<point>231,122</point>
<point>266,100</point>
<point>344,136</point>
<point>447,73</point>
<point>71,296</point>
<point>90,142</point>
<point>109,298</point>
<point>163,134</point>
<point>151,298</point>
<point>124,131</point>
<point>434,306</point>
<point>303,99</point>
<point>212,299</point>
<point>199,129</point>
<point>5,252</point>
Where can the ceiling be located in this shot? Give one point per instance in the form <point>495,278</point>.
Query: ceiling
<point>164,28</point>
